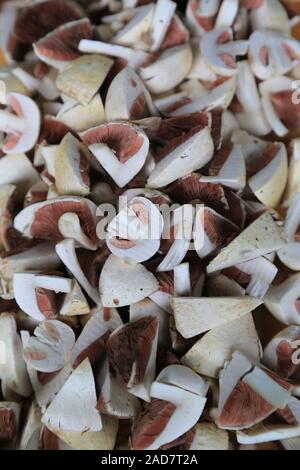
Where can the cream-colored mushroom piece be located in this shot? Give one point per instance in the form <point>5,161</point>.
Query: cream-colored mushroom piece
<point>293,186</point>
<point>289,255</point>
<point>267,433</point>
<point>281,300</point>
<point>271,15</point>
<point>30,438</point>
<point>208,437</point>
<point>80,117</point>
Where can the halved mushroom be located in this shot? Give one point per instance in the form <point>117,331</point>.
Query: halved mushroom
<point>74,407</point>
<point>278,354</point>
<point>267,433</point>
<point>181,156</point>
<point>156,75</point>
<point>261,237</point>
<point>242,382</point>
<point>133,57</point>
<point>114,399</point>
<point>289,255</point>
<point>49,350</point>
<point>79,118</point>
<point>104,439</point>
<point>271,15</point>
<point>91,342</point>
<point>208,436</point>
<point>33,293</point>
<point>209,354</point>
<point>131,350</point>
<point>9,420</point>
<point>20,121</point>
<point>135,232</point>
<point>82,77</point>
<point>67,253</point>
<point>71,167</point>
<point>282,300</point>
<point>41,220</point>
<point>121,149</point>
<point>220,51</point>
<point>127,97</point>
<point>197,315</point>
<point>30,438</point>
<point>13,371</point>
<point>60,46</point>
<point>272,54</point>
<point>178,399</point>
<point>74,302</point>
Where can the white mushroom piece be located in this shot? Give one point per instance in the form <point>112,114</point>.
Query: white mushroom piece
<point>200,15</point>
<point>270,14</point>
<point>289,255</point>
<point>50,347</point>
<point>282,300</point>
<point>74,407</point>
<point>242,382</point>
<point>178,399</point>
<point>281,353</point>
<point>120,148</point>
<point>207,436</point>
<point>220,51</point>
<point>293,186</point>
<point>80,117</point>
<point>20,122</point>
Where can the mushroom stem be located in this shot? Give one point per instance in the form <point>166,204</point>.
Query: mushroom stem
<point>134,58</point>
<point>9,122</point>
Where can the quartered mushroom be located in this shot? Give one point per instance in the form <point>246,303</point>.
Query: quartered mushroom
<point>50,347</point>
<point>289,255</point>
<point>120,148</point>
<point>80,117</point>
<point>282,300</point>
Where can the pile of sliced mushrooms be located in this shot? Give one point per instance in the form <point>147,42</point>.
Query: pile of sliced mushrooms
<point>110,339</point>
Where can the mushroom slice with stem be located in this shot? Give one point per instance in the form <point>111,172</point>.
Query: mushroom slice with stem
<point>262,272</point>
<point>67,253</point>
<point>74,302</point>
<point>114,399</point>
<point>211,231</point>
<point>74,407</point>
<point>82,77</point>
<point>135,232</point>
<point>280,351</point>
<point>201,15</point>
<point>79,118</point>
<point>209,354</point>
<point>59,47</point>
<point>91,341</point>
<point>269,181</point>
<point>268,433</point>
<point>41,220</point>
<point>13,371</point>
<point>127,97</point>
<point>178,399</point>
<point>261,237</point>
<point>9,420</point>
<point>228,168</point>
<point>120,148</point>
<point>20,121</point>
<point>71,167</point>
<point>242,382</point>
<point>181,156</point>
<point>33,293</point>
<point>272,54</point>
<point>50,347</point>
<point>283,300</point>
<point>271,15</point>
<point>133,57</point>
<point>290,254</point>
<point>135,32</point>
<point>197,315</point>
<point>208,436</point>
<point>179,59</point>
<point>220,51</point>
<point>131,350</point>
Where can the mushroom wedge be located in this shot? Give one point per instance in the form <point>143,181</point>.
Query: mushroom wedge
<point>261,237</point>
<point>79,118</point>
<point>74,407</point>
<point>197,315</point>
<point>281,354</point>
<point>289,255</point>
<point>282,300</point>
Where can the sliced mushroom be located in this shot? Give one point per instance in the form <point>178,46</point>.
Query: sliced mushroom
<point>120,148</point>
<point>82,78</point>
<point>201,15</point>
<point>74,302</point>
<point>262,272</point>
<point>263,236</point>
<point>182,156</point>
<point>281,300</point>
<point>135,30</point>
<point>30,438</point>
<point>271,14</point>
<point>278,354</point>
<point>220,51</point>
<point>293,172</point>
<point>267,433</point>
<point>197,315</point>
<point>289,255</point>
<point>74,407</point>
<point>147,307</point>
<point>79,118</point>
<point>209,354</point>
